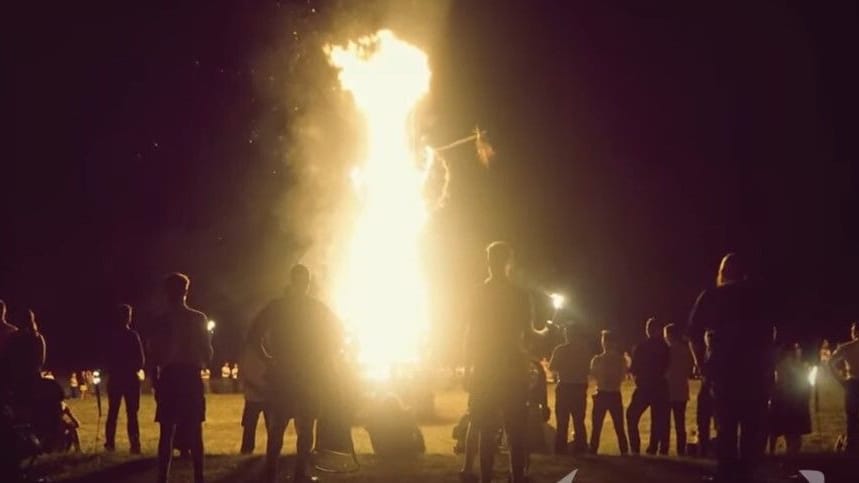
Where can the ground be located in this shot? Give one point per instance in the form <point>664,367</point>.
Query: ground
<point>223,464</point>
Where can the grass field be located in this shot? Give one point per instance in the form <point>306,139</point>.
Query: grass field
<point>223,432</point>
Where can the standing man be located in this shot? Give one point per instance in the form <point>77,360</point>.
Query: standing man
<point>184,349</point>
<point>849,355</point>
<point>609,370</point>
<point>741,366</point>
<point>497,363</point>
<point>649,365</point>
<point>679,371</point>
<point>124,361</point>
<point>571,363</point>
<point>255,388</point>
<point>300,339</point>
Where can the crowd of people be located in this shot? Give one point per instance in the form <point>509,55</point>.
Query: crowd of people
<point>294,363</point>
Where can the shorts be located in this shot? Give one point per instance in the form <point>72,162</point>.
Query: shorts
<point>179,395</point>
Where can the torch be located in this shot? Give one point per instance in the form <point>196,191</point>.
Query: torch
<point>558,302</point>
<point>96,381</point>
<point>812,379</point>
<point>210,326</point>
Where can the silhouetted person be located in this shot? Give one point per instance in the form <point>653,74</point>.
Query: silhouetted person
<point>650,361</point>
<point>571,362</point>
<point>497,363</point>
<point>256,390</point>
<point>6,329</point>
<point>184,349</point>
<point>609,370</point>
<point>789,408</point>
<point>741,366</point>
<point>301,340</point>
<point>124,360</point>
<point>704,413</point>
<point>679,370</point>
<point>848,354</point>
<point>24,354</point>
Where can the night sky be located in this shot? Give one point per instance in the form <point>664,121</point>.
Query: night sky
<point>635,146</point>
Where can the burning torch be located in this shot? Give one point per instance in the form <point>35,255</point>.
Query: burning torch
<point>558,302</point>
<point>210,326</point>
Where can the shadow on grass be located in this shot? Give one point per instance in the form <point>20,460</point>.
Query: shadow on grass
<point>117,472</point>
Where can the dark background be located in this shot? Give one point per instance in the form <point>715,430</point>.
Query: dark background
<point>636,145</point>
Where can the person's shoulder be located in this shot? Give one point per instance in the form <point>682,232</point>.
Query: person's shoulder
<point>196,315</point>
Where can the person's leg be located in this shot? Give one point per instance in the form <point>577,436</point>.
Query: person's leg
<point>195,433</point>
<point>132,406</point>
<point>615,408</point>
<point>678,409</point>
<point>304,444</point>
<point>250,418</point>
<point>660,420</point>
<point>274,444</point>
<point>752,416</point>
<point>579,404</point>
<point>487,451</point>
<point>472,438</point>
<point>597,418</point>
<point>793,444</point>
<point>515,425</point>
<point>114,399</point>
<point>562,417</point>
<point>633,416</point>
<point>165,450</point>
<point>704,414</point>
<point>851,408</point>
<point>727,454</point>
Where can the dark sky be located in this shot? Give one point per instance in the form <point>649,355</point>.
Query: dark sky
<point>636,145</point>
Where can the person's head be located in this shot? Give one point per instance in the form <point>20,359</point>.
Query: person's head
<point>176,287</point>
<point>122,315</point>
<point>499,258</point>
<point>854,331</point>
<point>299,278</point>
<point>608,341</point>
<point>671,334</point>
<point>653,328</point>
<point>2,311</point>
<point>731,270</point>
<point>709,335</point>
<point>796,350</point>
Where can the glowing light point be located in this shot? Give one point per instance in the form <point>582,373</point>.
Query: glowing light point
<point>812,376</point>
<point>210,326</point>
<point>558,301</point>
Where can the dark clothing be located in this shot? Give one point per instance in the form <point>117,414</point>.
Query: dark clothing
<point>743,343</point>
<point>23,358</point>
<point>678,412</point>
<point>570,402</point>
<point>851,407</point>
<point>704,417</point>
<point>612,403</point>
<point>179,394</point>
<point>124,359</point>
<point>250,417</point>
<point>500,321</point>
<point>276,426</point>
<point>655,397</point>
<point>740,408</point>
<point>124,353</point>
<point>741,367</point>
<point>119,388</point>
<point>650,361</point>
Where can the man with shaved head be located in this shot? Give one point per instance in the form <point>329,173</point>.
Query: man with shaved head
<point>740,365</point>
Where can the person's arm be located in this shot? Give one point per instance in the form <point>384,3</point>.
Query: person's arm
<point>699,322</point>
<point>553,361</point>
<point>635,361</point>
<point>140,360</point>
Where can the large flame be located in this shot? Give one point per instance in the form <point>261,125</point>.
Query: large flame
<point>380,291</point>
